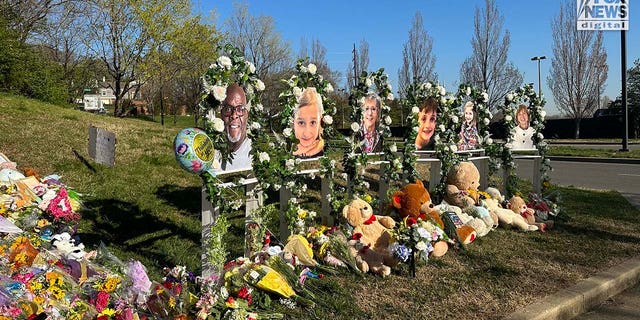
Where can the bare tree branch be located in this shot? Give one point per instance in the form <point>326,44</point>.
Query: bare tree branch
<point>418,63</point>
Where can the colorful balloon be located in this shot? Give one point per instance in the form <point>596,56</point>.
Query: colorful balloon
<point>194,150</point>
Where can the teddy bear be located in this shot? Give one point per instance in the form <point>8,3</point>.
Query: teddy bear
<point>67,246</point>
<point>463,181</point>
<point>519,206</point>
<point>506,216</point>
<point>370,237</point>
<point>413,200</point>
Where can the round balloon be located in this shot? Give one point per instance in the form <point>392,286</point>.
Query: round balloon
<point>194,150</point>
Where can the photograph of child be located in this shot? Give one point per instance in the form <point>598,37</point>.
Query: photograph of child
<point>307,124</point>
<point>469,131</point>
<point>427,117</point>
<point>522,134</point>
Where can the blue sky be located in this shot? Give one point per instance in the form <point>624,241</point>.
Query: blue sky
<point>385,25</point>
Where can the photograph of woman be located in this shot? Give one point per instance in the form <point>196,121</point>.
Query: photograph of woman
<point>307,124</point>
<point>522,134</point>
<point>369,134</point>
<point>427,117</point>
<point>469,131</point>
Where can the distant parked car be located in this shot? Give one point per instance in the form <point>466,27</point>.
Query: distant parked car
<point>610,112</point>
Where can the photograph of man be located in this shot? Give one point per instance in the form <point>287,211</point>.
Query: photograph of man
<point>522,134</point>
<point>235,114</point>
<point>369,134</point>
<point>427,117</point>
<point>307,124</point>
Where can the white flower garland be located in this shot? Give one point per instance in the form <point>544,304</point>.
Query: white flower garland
<point>445,135</point>
<point>524,95</point>
<point>283,164</point>
<point>370,82</point>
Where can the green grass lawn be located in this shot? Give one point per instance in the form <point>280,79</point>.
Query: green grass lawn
<point>147,208</point>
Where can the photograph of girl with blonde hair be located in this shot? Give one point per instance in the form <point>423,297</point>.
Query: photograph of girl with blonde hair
<point>307,124</point>
<point>469,131</point>
<point>522,134</point>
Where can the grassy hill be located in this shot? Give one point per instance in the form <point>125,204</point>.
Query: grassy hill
<point>147,208</point>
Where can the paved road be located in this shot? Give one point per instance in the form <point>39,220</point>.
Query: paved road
<point>634,146</point>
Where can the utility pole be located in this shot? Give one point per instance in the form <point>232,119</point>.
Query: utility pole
<point>625,107</point>
<point>355,66</point>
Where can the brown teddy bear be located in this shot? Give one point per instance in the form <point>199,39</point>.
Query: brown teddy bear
<point>413,200</point>
<point>463,181</point>
<point>519,206</point>
<point>370,237</point>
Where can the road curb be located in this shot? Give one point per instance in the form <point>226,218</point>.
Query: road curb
<point>599,160</point>
<point>588,293</point>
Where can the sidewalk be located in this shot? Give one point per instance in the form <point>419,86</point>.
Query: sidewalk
<point>572,302</point>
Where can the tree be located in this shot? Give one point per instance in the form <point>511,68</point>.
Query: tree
<point>633,99</point>
<point>257,38</point>
<point>361,57</point>
<point>487,67</point>
<point>578,66</point>
<point>26,16</point>
<point>418,64</point>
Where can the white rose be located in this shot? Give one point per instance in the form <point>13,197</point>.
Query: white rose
<point>485,97</point>
<point>390,96</point>
<point>453,148</point>
<point>387,120</point>
<point>442,91</point>
<point>224,62</point>
<point>437,137</point>
<point>368,82</point>
<point>297,92</point>
<point>540,135</point>
<point>443,100</point>
<point>312,68</point>
<point>304,69</point>
<point>217,124</point>
<point>468,91</point>
<point>332,163</point>
<point>428,85</point>
<point>329,88</point>
<point>442,128</point>
<point>421,246</point>
<point>366,184</point>
<point>455,119</point>
<point>220,92</point>
<point>224,294</point>
<point>393,148</point>
<point>508,118</point>
<point>291,83</point>
<point>259,85</point>
<point>263,157</point>
<point>290,164</point>
<point>489,141</point>
<point>259,107</point>
<point>361,101</point>
<point>355,126</point>
<point>256,126</point>
<point>509,96</point>
<point>327,119</point>
<point>252,68</point>
<point>286,132</point>
<point>415,110</point>
<point>486,121</point>
<point>344,176</point>
<point>543,114</point>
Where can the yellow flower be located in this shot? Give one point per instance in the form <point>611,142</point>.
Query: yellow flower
<point>54,279</point>
<point>546,184</point>
<point>39,300</point>
<point>367,198</point>
<point>111,284</point>
<point>107,312</point>
<point>35,286</point>
<point>172,302</point>
<point>302,213</point>
<point>56,292</point>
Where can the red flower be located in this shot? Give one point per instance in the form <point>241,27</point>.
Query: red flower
<point>103,317</point>
<point>102,301</point>
<point>411,221</point>
<point>422,216</point>
<point>244,294</point>
<point>356,236</point>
